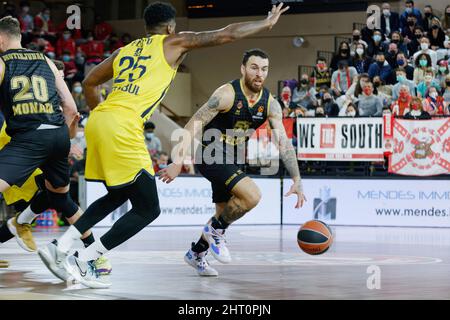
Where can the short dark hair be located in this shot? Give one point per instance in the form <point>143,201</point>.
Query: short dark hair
<point>149,125</point>
<point>410,2</point>
<point>158,13</point>
<point>321,59</point>
<point>254,52</point>
<point>10,26</point>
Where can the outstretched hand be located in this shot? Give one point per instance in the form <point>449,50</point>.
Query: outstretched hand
<point>295,189</point>
<point>275,14</point>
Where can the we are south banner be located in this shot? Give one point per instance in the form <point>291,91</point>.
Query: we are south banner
<point>421,147</point>
<point>340,139</point>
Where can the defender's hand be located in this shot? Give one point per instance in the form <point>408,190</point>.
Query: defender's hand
<point>295,189</point>
<point>73,127</point>
<point>169,174</point>
<point>275,14</point>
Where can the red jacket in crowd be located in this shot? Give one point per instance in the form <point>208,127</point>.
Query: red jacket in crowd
<point>63,45</point>
<point>93,49</point>
<point>102,31</point>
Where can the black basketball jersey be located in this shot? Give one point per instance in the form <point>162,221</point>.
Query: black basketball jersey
<point>28,95</point>
<point>236,124</point>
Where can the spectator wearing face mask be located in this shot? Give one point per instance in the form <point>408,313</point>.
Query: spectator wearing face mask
<point>162,161</point>
<point>402,81</point>
<point>102,29</point>
<point>446,94</point>
<point>410,9</point>
<point>391,54</point>
<point>413,44</point>
<point>305,94</point>
<point>286,98</point>
<point>442,73</point>
<point>44,25</point>
<point>329,106</point>
<point>151,140</point>
<point>93,50</point>
<point>425,49</point>
<point>356,39</point>
<point>390,21</point>
<point>26,20</point>
<point>436,35</point>
<point>411,24</point>
<point>66,43</point>
<point>402,105</point>
<point>381,68</point>
<point>342,54</point>
<point>70,69</point>
<point>428,17</point>
<point>80,99</point>
<point>376,45</point>
<point>342,79</point>
<point>321,74</point>
<point>369,105</point>
<point>423,64</point>
<point>433,103</point>
<point>351,110</point>
<point>402,62</point>
<point>397,39</point>
<point>361,61</point>
<point>428,82</point>
<point>416,112</point>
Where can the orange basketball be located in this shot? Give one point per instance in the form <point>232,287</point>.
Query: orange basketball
<point>314,237</point>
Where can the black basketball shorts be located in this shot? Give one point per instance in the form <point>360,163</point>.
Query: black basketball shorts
<point>47,149</point>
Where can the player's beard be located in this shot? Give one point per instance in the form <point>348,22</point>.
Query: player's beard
<point>250,84</point>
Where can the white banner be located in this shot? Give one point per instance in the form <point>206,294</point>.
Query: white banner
<point>340,139</point>
<point>371,202</point>
<point>188,201</point>
<point>421,147</point>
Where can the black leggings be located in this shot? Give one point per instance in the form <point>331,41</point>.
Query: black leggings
<point>143,196</point>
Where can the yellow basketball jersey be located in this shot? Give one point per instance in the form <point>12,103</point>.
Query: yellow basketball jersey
<point>142,77</point>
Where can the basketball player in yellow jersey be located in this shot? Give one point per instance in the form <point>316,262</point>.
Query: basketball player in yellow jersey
<point>117,155</point>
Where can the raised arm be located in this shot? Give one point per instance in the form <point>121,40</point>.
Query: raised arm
<point>287,151</point>
<point>97,76</point>
<point>221,100</point>
<point>177,45</point>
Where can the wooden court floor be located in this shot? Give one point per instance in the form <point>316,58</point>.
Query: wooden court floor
<point>363,263</point>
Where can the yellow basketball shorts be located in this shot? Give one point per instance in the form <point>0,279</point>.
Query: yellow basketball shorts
<point>116,150</point>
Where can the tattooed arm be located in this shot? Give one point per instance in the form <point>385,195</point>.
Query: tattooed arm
<point>177,45</point>
<point>287,151</point>
<point>221,101</point>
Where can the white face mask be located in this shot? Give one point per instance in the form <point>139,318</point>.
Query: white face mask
<point>351,113</point>
<point>424,46</point>
<point>360,51</point>
<point>386,12</point>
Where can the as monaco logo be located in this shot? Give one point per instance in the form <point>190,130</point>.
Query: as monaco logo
<point>421,147</point>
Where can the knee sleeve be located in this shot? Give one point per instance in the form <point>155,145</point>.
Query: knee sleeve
<point>40,203</point>
<point>62,202</point>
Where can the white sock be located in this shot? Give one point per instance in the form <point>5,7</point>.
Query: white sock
<point>68,238</point>
<point>26,216</point>
<point>93,252</point>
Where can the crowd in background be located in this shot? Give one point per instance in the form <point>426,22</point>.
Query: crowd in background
<point>402,68</point>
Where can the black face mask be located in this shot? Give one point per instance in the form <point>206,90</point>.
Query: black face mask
<point>428,14</point>
<point>410,23</point>
<point>304,81</point>
<point>434,27</point>
<point>344,51</point>
<point>356,38</point>
<point>418,36</point>
<point>327,100</point>
<point>320,115</point>
<point>447,83</point>
<point>380,63</point>
<point>376,84</point>
<point>395,41</point>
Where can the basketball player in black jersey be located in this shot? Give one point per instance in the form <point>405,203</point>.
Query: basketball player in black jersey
<point>41,116</point>
<point>234,109</point>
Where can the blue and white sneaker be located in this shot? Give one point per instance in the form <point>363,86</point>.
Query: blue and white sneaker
<point>217,243</point>
<point>198,262</point>
<point>85,273</point>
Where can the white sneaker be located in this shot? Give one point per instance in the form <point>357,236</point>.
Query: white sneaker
<point>53,260</point>
<point>85,273</point>
<point>198,262</point>
<point>217,243</point>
